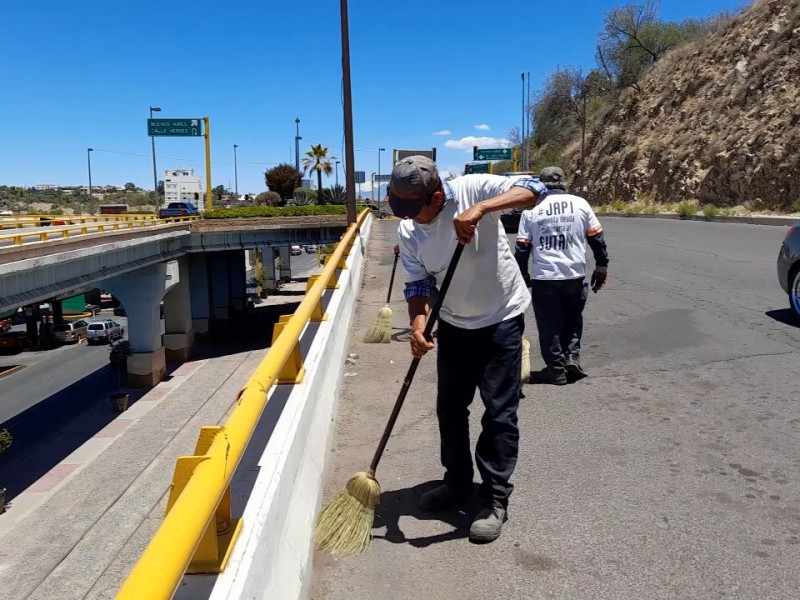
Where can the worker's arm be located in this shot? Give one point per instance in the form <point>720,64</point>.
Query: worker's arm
<point>522,193</point>
<point>418,295</point>
<point>597,242</point>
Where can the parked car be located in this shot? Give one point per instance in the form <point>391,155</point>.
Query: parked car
<point>104,332</point>
<point>119,311</point>
<point>70,332</point>
<point>789,267</point>
<point>510,220</point>
<point>311,249</point>
<point>295,250</point>
<point>13,342</point>
<point>178,209</point>
<point>5,324</point>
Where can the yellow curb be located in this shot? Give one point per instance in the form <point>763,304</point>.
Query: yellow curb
<point>12,370</point>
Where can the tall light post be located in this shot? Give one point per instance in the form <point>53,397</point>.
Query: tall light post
<point>379,171</point>
<point>524,140</point>
<point>153,143</point>
<point>297,139</point>
<point>337,173</point>
<point>89,162</point>
<point>235,173</point>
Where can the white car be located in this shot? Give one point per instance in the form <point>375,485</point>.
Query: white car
<point>104,332</point>
<point>295,250</point>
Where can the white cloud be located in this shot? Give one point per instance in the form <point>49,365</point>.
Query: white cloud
<point>482,127</point>
<point>466,143</point>
<point>443,132</point>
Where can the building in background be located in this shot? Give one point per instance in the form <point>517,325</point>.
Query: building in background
<point>182,185</point>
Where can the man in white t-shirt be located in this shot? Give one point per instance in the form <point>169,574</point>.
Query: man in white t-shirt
<point>556,231</point>
<point>481,322</point>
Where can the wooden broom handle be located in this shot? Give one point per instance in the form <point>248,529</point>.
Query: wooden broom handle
<point>434,314</point>
<point>391,281</point>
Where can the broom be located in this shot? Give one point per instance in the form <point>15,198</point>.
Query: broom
<point>381,330</point>
<point>345,524</point>
<point>526,361</point>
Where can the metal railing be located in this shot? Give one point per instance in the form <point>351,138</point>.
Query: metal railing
<point>88,226</point>
<point>198,532</point>
<point>36,220</point>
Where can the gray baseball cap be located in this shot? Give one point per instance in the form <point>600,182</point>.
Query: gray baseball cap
<point>552,175</point>
<point>414,179</point>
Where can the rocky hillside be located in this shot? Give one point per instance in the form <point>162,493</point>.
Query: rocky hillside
<point>717,120</point>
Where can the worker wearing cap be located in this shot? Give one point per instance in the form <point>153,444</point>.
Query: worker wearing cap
<point>481,322</point>
<point>556,231</point>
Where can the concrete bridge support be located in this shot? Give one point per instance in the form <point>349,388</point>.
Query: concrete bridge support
<point>178,333</point>
<point>199,293</point>
<point>141,292</point>
<point>286,263</point>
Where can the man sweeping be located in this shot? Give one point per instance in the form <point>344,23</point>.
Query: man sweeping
<point>556,232</point>
<point>480,327</point>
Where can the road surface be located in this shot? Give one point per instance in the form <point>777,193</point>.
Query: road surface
<point>673,471</point>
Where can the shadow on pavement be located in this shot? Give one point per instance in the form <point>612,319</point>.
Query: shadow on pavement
<point>48,432</point>
<point>785,316</point>
<point>405,502</point>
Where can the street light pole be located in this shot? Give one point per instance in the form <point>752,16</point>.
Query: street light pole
<point>297,139</point>
<point>89,161</point>
<point>347,105</point>
<point>155,172</point>
<point>235,173</point>
<point>524,141</point>
<point>379,171</point>
<point>337,173</point>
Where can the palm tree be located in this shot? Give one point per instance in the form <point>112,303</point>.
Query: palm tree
<point>317,159</point>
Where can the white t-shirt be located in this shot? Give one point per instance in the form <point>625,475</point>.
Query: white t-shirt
<point>557,228</point>
<point>487,286</point>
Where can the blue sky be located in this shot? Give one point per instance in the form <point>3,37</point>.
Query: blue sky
<point>83,74</point>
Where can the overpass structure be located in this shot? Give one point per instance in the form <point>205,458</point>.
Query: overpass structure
<point>130,258</point>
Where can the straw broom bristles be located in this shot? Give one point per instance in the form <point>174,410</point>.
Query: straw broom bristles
<point>344,526</point>
<point>381,330</point>
<point>526,361</point>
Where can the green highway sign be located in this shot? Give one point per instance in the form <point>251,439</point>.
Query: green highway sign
<point>476,168</point>
<point>491,153</point>
<point>175,127</point>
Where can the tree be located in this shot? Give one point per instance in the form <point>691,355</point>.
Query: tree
<point>283,180</point>
<point>130,187</point>
<point>633,38</point>
<point>161,187</point>
<point>218,191</point>
<point>317,159</point>
<point>268,199</point>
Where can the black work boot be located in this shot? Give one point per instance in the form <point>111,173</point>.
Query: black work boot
<point>574,370</point>
<point>442,497</point>
<point>549,376</point>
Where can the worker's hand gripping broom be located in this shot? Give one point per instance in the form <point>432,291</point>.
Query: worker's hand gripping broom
<point>381,330</point>
<point>345,524</point>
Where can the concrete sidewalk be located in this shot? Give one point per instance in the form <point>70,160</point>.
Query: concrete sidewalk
<point>670,473</point>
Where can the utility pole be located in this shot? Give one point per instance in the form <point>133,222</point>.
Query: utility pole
<point>155,171</point>
<point>379,172</point>
<point>349,151</point>
<point>297,139</point>
<point>522,130</point>
<point>583,141</point>
<point>235,173</point>
<point>528,120</point>
<point>89,161</point>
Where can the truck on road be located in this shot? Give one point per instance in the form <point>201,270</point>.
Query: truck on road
<point>178,209</point>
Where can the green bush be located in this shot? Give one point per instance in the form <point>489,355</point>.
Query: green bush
<point>618,206</point>
<point>249,212</point>
<point>5,440</point>
<point>796,205</point>
<point>687,209</point>
<point>710,211</point>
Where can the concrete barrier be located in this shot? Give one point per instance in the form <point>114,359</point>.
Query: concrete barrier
<point>272,558</point>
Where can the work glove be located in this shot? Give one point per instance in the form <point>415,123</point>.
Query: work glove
<point>599,278</point>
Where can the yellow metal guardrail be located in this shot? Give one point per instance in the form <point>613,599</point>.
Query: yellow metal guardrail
<point>198,531</point>
<point>20,221</point>
<point>88,227</point>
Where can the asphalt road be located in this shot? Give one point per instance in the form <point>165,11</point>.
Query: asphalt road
<point>672,472</point>
<point>48,372</point>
